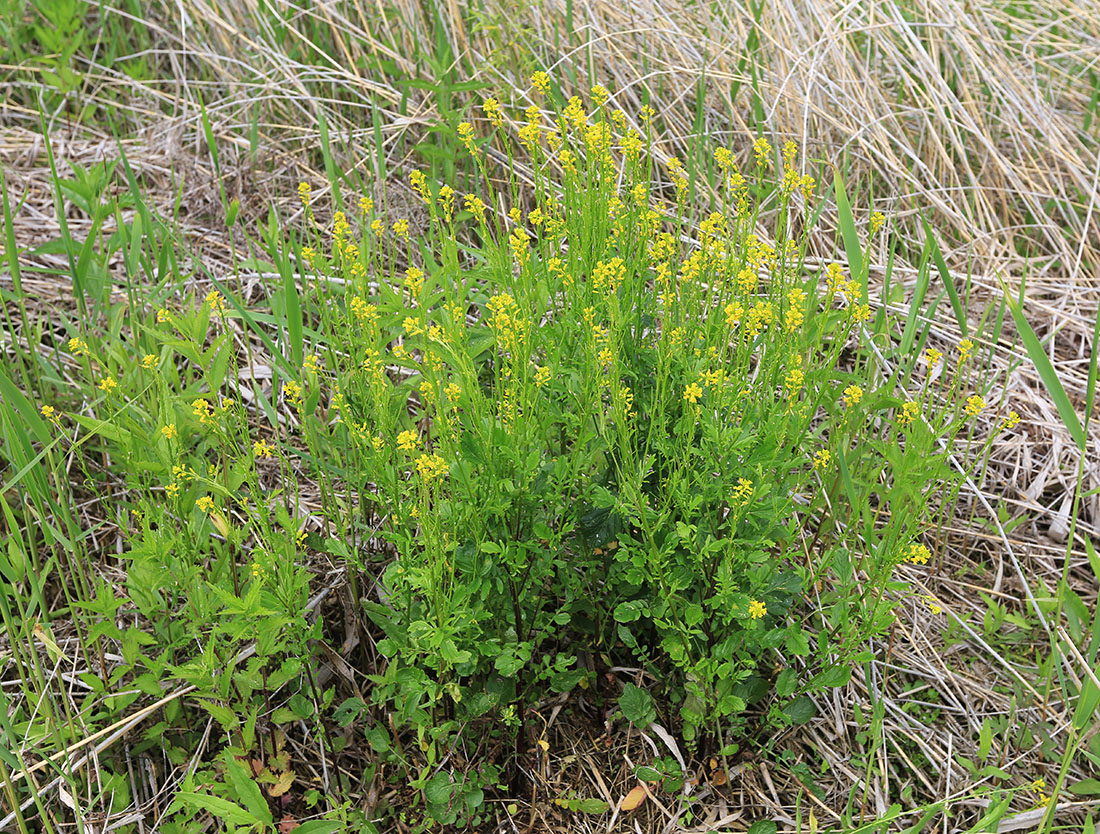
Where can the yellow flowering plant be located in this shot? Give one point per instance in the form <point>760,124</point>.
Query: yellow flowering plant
<point>595,423</point>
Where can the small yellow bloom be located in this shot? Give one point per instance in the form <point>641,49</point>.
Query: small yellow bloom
<point>293,392</point>
<point>407,440</point>
<point>262,449</point>
<point>169,431</point>
<point>312,363</point>
<point>762,149</point>
<point>852,395</point>
<point>108,385</point>
<point>974,405</point>
<point>909,412</point>
<point>1012,421</point>
<point>966,347</point>
<point>173,489</point>
<point>692,393</point>
<point>932,357</point>
<point>542,376</point>
<point>822,458</point>
<point>742,493</point>
<point>162,316</point>
<point>431,467</point>
<point>216,301</point>
<point>491,107</point>
<point>149,361</point>
<point>541,82</point>
<point>50,413</point>
<point>304,192</point>
<point>878,220</point>
<point>78,347</point>
<point>757,609</point>
<point>206,504</point>
<point>918,554</point>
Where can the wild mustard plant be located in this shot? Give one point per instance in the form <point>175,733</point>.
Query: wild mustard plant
<point>602,427</point>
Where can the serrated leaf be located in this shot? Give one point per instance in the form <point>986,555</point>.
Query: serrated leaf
<point>221,808</point>
<point>637,705</point>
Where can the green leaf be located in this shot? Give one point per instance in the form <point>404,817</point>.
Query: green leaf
<point>762,827</point>
<point>1046,371</point>
<point>221,808</point>
<point>800,710</point>
<point>318,827</point>
<point>637,705</point>
<point>1086,787</point>
<point>786,683</point>
<point>628,612</point>
<point>246,789</point>
<point>945,274</point>
<point>438,789</point>
<point>848,232</point>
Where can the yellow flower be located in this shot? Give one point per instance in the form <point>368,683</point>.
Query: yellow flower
<point>206,504</point>
<point>50,413</point>
<point>414,279</point>
<point>366,205</point>
<point>169,431</point>
<point>311,363</point>
<point>216,301</point>
<point>932,357</point>
<point>407,440</point>
<point>262,449</point>
<point>541,82</point>
<point>542,376</point>
<point>78,347</point>
<point>162,316</point>
<point>742,493</point>
<point>293,392</point>
<point>966,347</point>
<point>918,554</point>
<point>431,467</point>
<point>878,220</point>
<point>909,412</point>
<point>757,609</point>
<point>304,192</point>
<point>822,458</point>
<point>108,385</point>
<point>491,107</point>
<point>420,185</point>
<point>692,393</point>
<point>1012,421</point>
<point>173,489</point>
<point>203,410</point>
<point>148,361</point>
<point>762,149</point>
<point>852,395</point>
<point>974,405</point>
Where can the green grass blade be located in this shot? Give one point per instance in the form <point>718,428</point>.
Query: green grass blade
<point>941,266</point>
<point>1047,373</point>
<point>848,232</point>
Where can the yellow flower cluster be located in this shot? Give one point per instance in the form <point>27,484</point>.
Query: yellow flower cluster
<point>852,395</point>
<point>431,467</point>
<point>910,411</point>
<point>918,554</point>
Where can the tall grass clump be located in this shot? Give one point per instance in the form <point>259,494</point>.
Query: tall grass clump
<point>595,428</point>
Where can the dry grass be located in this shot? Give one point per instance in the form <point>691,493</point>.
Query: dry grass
<point>972,114</point>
